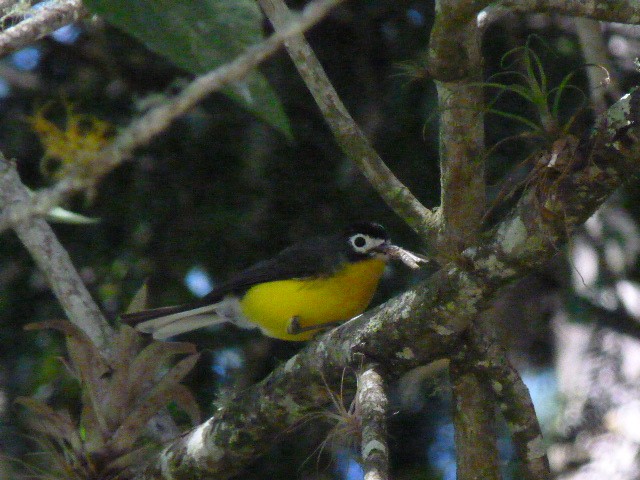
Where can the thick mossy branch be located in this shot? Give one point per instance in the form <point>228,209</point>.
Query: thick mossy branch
<point>424,323</point>
<point>447,61</point>
<point>463,199</point>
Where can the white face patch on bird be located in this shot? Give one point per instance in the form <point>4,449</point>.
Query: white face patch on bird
<point>365,244</point>
<point>373,246</point>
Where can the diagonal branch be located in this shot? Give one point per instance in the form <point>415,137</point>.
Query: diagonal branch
<point>396,333</point>
<point>348,134</point>
<point>145,128</point>
<point>54,262</point>
<point>41,22</point>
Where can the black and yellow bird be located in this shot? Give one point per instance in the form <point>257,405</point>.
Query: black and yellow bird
<point>304,289</point>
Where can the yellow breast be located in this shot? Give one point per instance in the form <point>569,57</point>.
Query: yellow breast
<point>339,297</point>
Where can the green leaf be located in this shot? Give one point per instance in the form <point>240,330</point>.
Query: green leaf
<point>200,36</point>
<point>519,118</point>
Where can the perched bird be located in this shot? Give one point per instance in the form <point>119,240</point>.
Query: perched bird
<point>306,288</point>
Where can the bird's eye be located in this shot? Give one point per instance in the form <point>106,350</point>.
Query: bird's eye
<point>359,241</point>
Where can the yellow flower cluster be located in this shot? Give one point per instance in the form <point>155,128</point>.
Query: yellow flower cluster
<point>73,148</point>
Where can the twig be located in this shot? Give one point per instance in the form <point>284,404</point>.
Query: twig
<point>618,320</point>
<point>515,404</point>
<point>372,408</point>
<point>41,22</point>
<point>37,205</point>
<point>54,262</point>
<point>347,132</point>
<point>145,128</point>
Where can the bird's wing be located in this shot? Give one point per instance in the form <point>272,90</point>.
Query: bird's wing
<point>314,257</point>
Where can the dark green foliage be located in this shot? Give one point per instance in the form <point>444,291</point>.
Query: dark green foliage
<point>198,37</point>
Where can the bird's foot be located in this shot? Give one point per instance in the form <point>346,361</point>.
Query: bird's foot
<point>294,327</point>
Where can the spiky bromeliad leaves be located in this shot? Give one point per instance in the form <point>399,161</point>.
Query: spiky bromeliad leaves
<point>119,397</point>
<point>548,130</point>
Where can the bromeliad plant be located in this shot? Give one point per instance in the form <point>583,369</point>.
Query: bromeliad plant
<point>120,395</point>
<point>547,130</point>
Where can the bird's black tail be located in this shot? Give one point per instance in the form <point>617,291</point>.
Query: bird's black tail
<point>135,318</point>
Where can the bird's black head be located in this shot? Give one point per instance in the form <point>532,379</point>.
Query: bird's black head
<point>365,240</point>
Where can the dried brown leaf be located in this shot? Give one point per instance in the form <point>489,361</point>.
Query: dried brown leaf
<point>57,424</point>
<point>159,396</point>
<point>122,466</point>
<point>152,360</point>
<point>85,357</point>
<point>96,432</point>
<point>186,401</point>
<point>58,464</point>
<point>91,367</point>
<point>126,344</point>
<point>120,391</point>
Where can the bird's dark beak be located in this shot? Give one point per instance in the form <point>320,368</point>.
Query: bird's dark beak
<point>410,259</point>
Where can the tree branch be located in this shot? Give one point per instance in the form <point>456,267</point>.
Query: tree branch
<point>623,11</point>
<point>448,62</point>
<point>474,421</point>
<point>462,179</point>
<point>602,87</point>
<point>461,106</point>
<point>515,403</point>
<point>53,260</point>
<point>348,134</point>
<point>396,333</point>
<point>372,402</point>
<point>145,128</point>
<point>453,25</point>
<point>5,4</point>
<point>41,22</point>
